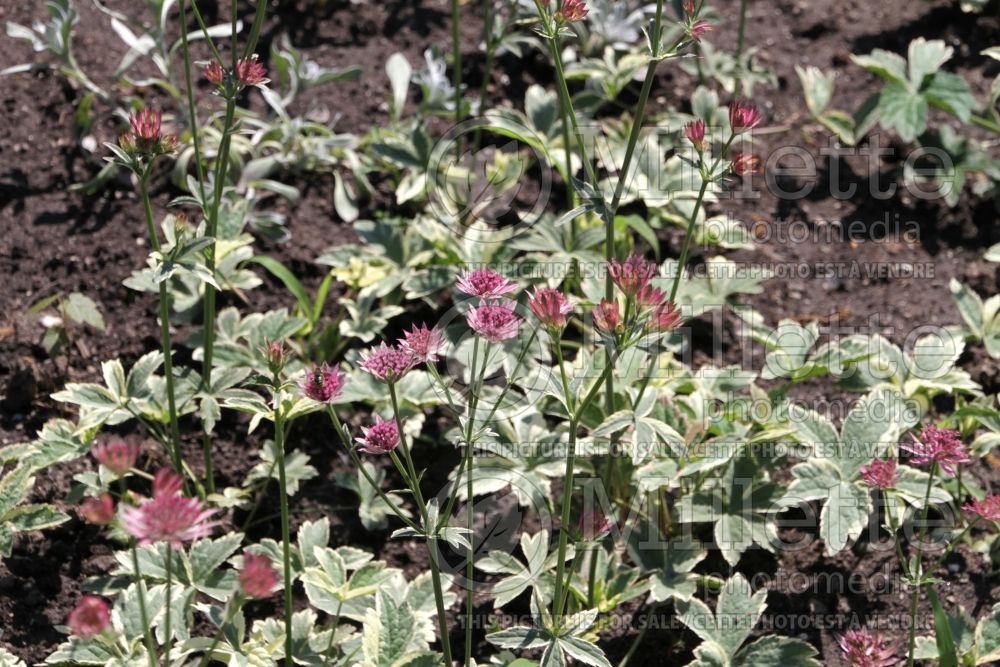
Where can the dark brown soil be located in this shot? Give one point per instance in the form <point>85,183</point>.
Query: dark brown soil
<point>57,241</point>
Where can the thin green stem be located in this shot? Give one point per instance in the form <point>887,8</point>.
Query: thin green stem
<point>918,570</point>
<point>470,509</point>
<point>415,479</point>
<point>204,30</point>
<point>165,343</point>
<point>592,579</point>
<point>168,633</point>
<point>456,63</point>
<point>286,541</point>
<point>258,24</point>
<point>227,615</point>
<point>685,248</point>
<point>147,632</point>
<point>741,32</point>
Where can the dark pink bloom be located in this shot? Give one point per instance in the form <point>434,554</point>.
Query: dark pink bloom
<point>387,364</point>
<point>99,510</point>
<point>166,483</point>
<point>422,343</point>
<point>697,29</point>
<point>573,10</point>
<point>146,124</point>
<point>322,383</point>
<point>250,72</point>
<point>938,445</point>
<point>117,456</point>
<point>650,296</point>
<point>258,578</point>
<point>863,648</point>
<point>880,473</point>
<point>380,438</point>
<point>665,317</point>
<point>988,507</point>
<point>146,135</point>
<point>689,7</point>
<point>745,163</point>
<point>168,516</point>
<point>90,616</point>
<point>484,283</point>
<point>606,316</point>
<point>594,525</point>
<point>743,116</point>
<point>214,72</point>
<point>550,306</point>
<point>631,275</point>
<point>695,132</point>
<point>494,322</point>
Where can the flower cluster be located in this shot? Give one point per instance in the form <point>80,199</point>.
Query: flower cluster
<point>90,616</point>
<point>880,474</point>
<point>117,456</point>
<point>99,511</point>
<point>168,516</point>
<point>485,284</point>
<point>550,306</point>
<point>863,648</point>
<point>572,11</point>
<point>652,304</point>
<point>258,578</point>
<point>386,363</point>
<point>988,508</point>
<point>380,438</point>
<point>939,446</point>
<point>248,72</point>
<point>145,138</point>
<point>322,383</point>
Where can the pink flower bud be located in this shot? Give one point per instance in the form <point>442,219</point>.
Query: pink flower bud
<point>743,116</point>
<point>695,132</point>
<point>258,578</point>
<point>880,473</point>
<point>550,306</point>
<point>573,11</point>
<point>250,72</point>
<point>422,343</point>
<point>117,456</point>
<point>988,507</point>
<point>90,616</point>
<point>607,317</point>
<point>214,72</point>
<point>631,275</point>
<point>863,648</point>
<point>745,163</point>
<point>697,29</point>
<point>665,317</point>
<point>99,511</point>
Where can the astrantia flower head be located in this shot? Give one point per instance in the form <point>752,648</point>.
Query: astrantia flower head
<point>117,456</point>
<point>484,283</point>
<point>938,445</point>
<point>168,516</point>
<point>214,72</point>
<point>146,135</point>
<point>250,72</point>
<point>166,483</point>
<point>387,364</point>
<point>322,383</point>
<point>550,306</point>
<point>863,648</point>
<point>988,507</point>
<point>90,616</point>
<point>665,317</point>
<point>573,10</point>
<point>695,132</point>
<point>650,296</point>
<point>258,579</point>
<point>880,473</point>
<point>422,343</point>
<point>494,322</point>
<point>743,116</point>
<point>698,28</point>
<point>99,511</point>
<point>607,316</point>
<point>689,7</point>
<point>745,163</point>
<point>631,275</point>
<point>380,438</point>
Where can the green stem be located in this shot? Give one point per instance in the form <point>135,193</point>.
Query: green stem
<point>918,573</point>
<point>415,479</point>
<point>286,548</point>
<point>682,260</point>
<point>228,613</point>
<point>592,579</point>
<point>204,30</point>
<point>165,343</point>
<point>742,28</point>
<point>567,497</point>
<point>456,63</point>
<point>470,513</point>
<point>147,632</point>
<point>166,610</point>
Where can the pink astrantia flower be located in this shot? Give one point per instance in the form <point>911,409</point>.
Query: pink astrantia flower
<point>938,445</point>
<point>387,364</point>
<point>573,10</point>
<point>214,72</point>
<point>743,116</point>
<point>631,275</point>
<point>550,306</point>
<point>258,578</point>
<point>697,29</point>
<point>606,316</point>
<point>863,648</point>
<point>650,296</point>
<point>880,473</point>
<point>689,7</point>
<point>166,483</point>
<point>146,135</point>
<point>250,72</point>
<point>322,383</point>
<point>695,132</point>
<point>745,163</point>
<point>484,283</point>
<point>380,438</point>
<point>988,507</point>
<point>117,456</point>
<point>99,511</point>
<point>146,124</point>
<point>665,317</point>
<point>168,516</point>
<point>494,322</point>
<point>90,616</point>
<point>422,343</point>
